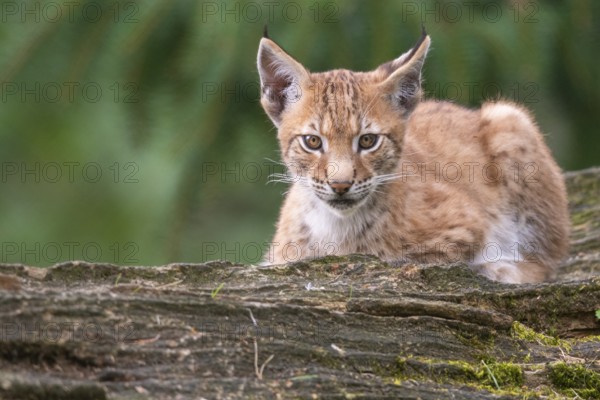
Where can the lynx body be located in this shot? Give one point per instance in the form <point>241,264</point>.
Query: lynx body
<point>375,170</point>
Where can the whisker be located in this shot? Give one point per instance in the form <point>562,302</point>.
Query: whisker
<point>275,162</point>
<point>280,176</point>
<point>391,177</point>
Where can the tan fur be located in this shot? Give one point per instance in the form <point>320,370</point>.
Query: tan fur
<point>505,214</point>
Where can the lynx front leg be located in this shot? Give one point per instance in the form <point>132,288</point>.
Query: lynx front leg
<point>513,272</point>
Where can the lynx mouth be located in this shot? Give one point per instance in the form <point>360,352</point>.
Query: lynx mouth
<point>343,204</point>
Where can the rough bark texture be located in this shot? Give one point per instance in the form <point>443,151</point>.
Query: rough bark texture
<point>350,327</point>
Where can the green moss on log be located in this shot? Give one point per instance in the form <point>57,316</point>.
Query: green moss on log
<point>575,379</point>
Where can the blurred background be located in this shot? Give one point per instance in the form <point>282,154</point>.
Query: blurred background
<point>132,133</point>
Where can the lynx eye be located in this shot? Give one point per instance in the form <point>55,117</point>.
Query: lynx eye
<point>312,142</point>
<point>367,141</point>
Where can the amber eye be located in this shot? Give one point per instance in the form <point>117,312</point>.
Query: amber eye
<point>367,141</point>
<point>313,142</point>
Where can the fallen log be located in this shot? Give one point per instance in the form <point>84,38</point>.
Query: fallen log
<point>339,327</point>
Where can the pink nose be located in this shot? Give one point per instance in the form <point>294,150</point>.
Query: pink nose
<point>340,187</point>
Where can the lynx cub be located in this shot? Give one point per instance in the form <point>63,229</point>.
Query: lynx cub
<point>375,170</point>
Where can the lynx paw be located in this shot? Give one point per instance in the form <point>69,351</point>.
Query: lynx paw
<point>509,272</point>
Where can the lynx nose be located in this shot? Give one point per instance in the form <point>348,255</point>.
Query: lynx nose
<point>340,187</point>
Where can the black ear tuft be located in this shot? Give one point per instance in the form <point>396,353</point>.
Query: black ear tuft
<point>265,32</point>
<point>417,45</point>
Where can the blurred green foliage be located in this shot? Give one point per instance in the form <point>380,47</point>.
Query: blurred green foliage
<point>132,133</point>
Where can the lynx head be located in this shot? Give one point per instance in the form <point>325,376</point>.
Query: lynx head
<point>340,132</point>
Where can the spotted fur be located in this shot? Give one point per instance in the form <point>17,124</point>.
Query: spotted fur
<point>442,184</point>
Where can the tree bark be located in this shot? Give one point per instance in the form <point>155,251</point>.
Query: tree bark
<point>338,327</point>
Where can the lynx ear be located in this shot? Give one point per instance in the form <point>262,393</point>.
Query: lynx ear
<point>281,79</point>
<point>402,76</point>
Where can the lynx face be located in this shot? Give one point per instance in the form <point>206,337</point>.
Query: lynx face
<point>339,150</point>
<point>340,132</point>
